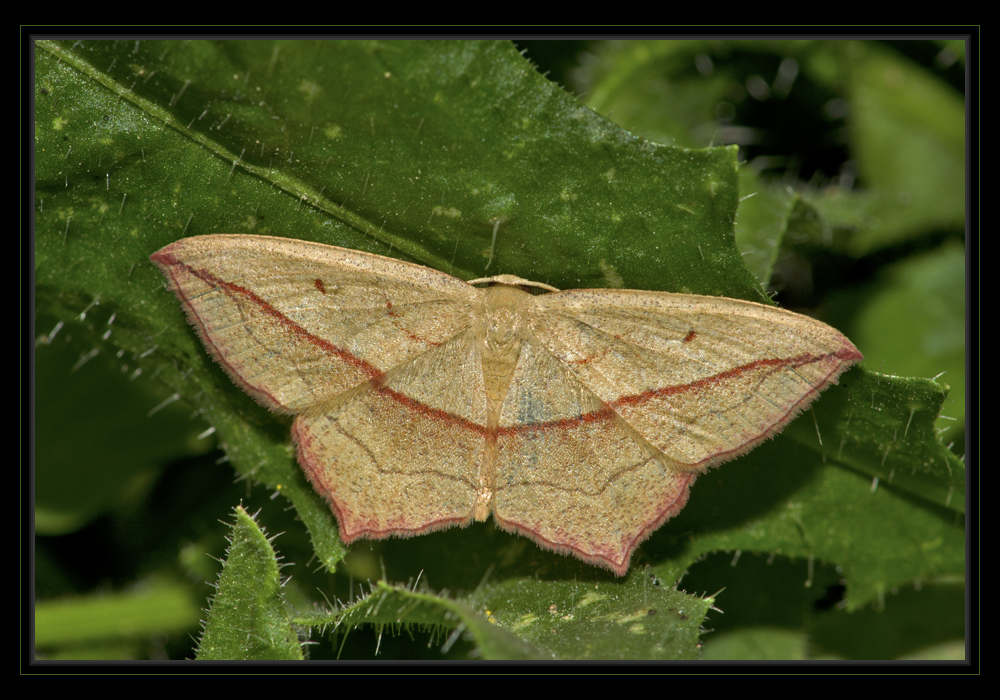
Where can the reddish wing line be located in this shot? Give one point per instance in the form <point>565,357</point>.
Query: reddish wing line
<point>235,290</point>
<point>845,355</point>
<point>433,413</point>
<point>777,363</point>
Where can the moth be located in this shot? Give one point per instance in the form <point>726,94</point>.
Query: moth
<point>579,418</point>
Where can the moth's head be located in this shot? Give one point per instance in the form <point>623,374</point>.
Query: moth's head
<point>513,281</point>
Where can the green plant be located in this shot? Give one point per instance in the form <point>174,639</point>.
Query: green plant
<point>459,155</point>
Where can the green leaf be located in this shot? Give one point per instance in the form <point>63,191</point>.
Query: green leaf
<point>248,619</point>
<point>388,607</point>
<point>91,625</point>
<point>642,619</point>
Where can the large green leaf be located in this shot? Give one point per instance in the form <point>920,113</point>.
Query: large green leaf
<point>460,156</point>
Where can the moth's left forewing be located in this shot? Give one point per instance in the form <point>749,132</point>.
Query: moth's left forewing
<point>296,323</point>
<point>704,379</point>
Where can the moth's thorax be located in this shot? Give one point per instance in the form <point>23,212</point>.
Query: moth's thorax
<point>501,326</point>
<point>503,320</point>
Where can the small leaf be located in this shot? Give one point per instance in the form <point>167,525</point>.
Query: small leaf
<point>248,619</point>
